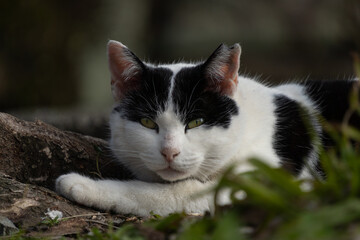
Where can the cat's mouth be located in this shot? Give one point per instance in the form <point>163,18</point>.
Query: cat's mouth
<point>171,174</point>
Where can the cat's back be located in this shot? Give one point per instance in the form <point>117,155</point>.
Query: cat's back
<point>333,98</point>
<point>330,98</point>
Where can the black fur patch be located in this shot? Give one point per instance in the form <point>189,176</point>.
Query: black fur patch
<point>292,140</point>
<point>150,98</point>
<point>192,101</point>
<point>332,99</point>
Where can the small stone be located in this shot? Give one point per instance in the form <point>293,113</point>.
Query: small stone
<point>7,227</point>
<point>52,214</point>
<point>118,222</point>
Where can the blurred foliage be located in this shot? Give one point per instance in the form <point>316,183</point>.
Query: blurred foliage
<point>125,233</point>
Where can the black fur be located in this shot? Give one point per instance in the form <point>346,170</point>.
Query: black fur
<point>292,139</point>
<point>189,98</point>
<point>192,101</point>
<point>332,99</point>
<point>150,98</point>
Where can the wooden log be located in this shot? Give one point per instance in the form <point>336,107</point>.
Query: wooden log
<point>32,156</point>
<point>37,153</point>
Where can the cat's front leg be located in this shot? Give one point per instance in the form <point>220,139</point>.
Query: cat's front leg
<point>78,188</point>
<point>136,197</point>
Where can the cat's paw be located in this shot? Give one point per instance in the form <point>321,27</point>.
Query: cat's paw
<point>77,188</point>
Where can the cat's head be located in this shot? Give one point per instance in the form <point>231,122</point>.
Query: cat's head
<point>172,122</point>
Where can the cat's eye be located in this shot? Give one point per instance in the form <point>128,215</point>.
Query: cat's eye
<point>147,122</point>
<point>195,123</point>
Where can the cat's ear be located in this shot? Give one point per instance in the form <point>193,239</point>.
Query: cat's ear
<point>126,69</point>
<point>221,69</point>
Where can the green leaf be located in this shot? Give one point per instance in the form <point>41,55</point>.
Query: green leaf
<point>228,228</point>
<point>327,222</point>
<point>196,231</point>
<point>283,180</point>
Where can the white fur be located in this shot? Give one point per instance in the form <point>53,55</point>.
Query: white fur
<point>135,197</point>
<point>204,153</point>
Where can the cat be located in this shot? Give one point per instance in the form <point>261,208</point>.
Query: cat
<point>178,126</point>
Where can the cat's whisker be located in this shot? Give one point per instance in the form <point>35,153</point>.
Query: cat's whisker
<point>191,94</point>
<point>206,168</point>
<point>136,165</point>
<point>151,154</point>
<point>195,111</point>
<point>203,175</point>
<point>123,150</point>
<point>127,153</point>
<point>148,104</point>
<point>192,107</point>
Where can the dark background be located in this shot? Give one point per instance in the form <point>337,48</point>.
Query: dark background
<point>53,53</point>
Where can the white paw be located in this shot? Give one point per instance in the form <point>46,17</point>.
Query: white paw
<point>77,188</point>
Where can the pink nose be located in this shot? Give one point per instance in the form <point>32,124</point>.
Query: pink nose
<point>170,153</point>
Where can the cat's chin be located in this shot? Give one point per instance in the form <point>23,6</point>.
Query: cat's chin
<point>170,174</point>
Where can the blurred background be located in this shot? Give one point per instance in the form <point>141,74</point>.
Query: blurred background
<point>53,53</point>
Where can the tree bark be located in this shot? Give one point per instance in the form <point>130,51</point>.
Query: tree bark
<point>37,153</point>
<point>32,156</point>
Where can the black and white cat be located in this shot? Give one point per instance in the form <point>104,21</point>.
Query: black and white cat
<point>178,126</point>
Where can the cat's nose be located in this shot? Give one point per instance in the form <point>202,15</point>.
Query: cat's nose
<point>170,153</point>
